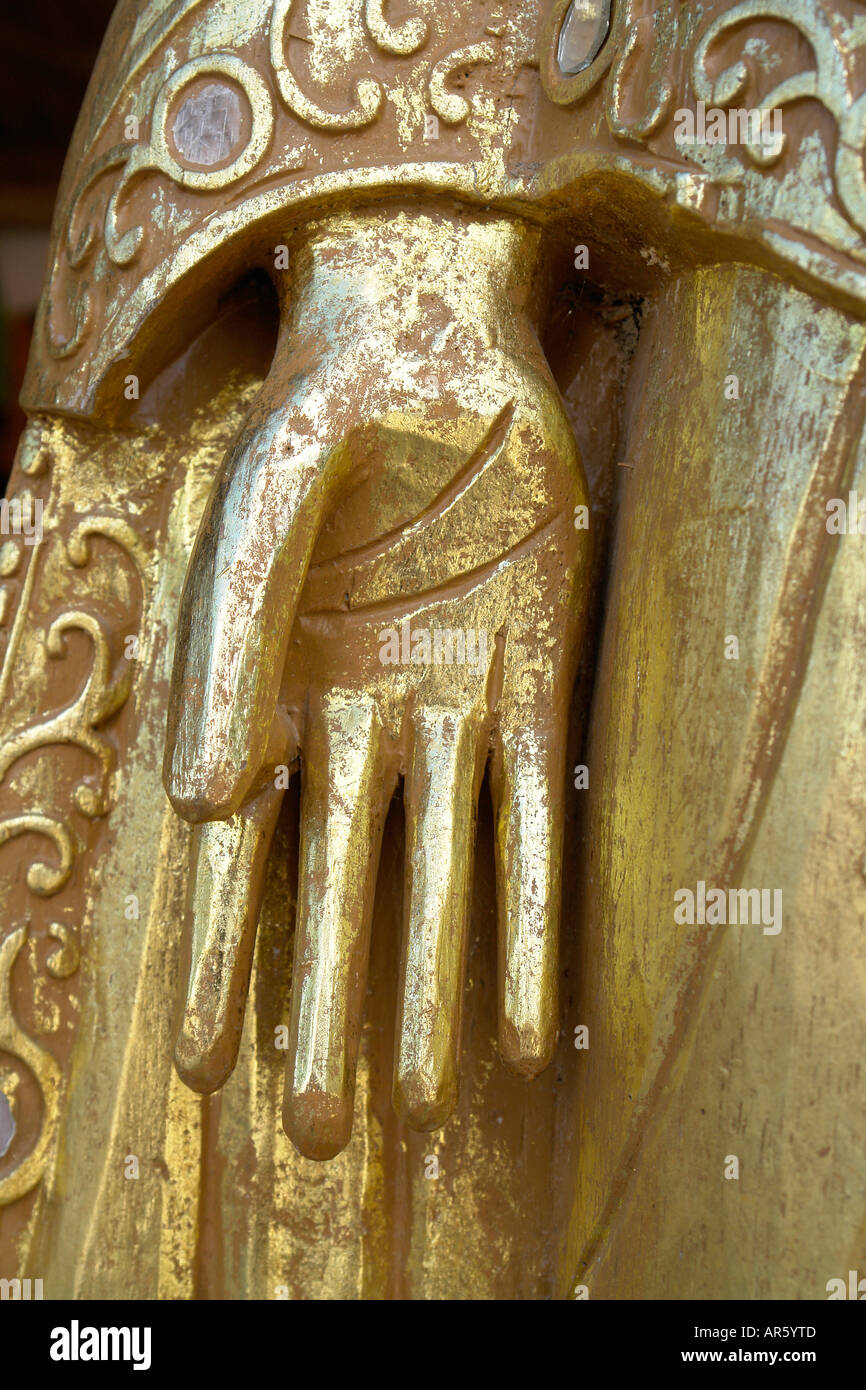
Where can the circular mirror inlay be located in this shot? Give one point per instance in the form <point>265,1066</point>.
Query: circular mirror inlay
<point>208,125</point>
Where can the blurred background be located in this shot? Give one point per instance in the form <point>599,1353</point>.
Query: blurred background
<point>47,52</point>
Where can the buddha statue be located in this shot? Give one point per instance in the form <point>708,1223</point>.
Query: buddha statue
<point>431,765</point>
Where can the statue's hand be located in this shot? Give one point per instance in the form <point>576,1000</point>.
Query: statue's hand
<point>430,625</point>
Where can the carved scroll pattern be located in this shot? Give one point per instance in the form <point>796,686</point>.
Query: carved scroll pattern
<point>451,107</point>
<point>828,82</point>
<point>652,34</point>
<point>651,39</point>
<point>630,38</point>
<point>404,39</point>
<point>156,153</point>
<point>26,1174</point>
<point>368,92</point>
<point>77,724</point>
<point>137,158</point>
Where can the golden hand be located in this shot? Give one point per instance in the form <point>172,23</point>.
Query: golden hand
<point>387,582</point>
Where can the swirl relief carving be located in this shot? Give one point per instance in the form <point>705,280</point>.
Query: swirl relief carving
<point>79,724</point>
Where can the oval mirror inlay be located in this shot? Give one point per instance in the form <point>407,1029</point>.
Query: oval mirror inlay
<point>7,1124</point>
<point>584,30</point>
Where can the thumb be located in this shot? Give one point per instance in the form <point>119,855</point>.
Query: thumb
<point>242,588</point>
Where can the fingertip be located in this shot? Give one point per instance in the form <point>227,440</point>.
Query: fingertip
<point>204,791</point>
<point>526,1049</point>
<point>318,1123</point>
<point>202,1067</point>
<point>207,783</point>
<point>423,1103</point>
